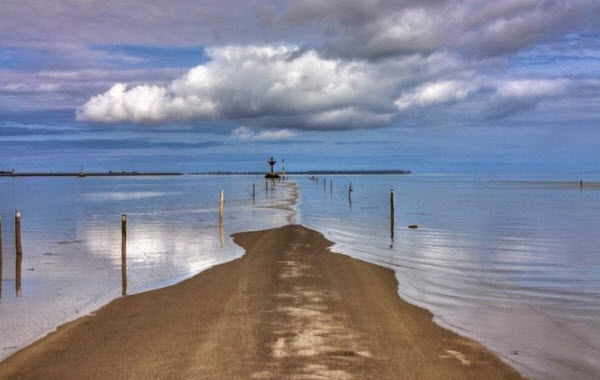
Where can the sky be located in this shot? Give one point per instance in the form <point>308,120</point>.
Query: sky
<point>435,86</point>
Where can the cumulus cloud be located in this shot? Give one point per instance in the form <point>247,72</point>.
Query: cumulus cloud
<point>245,133</point>
<point>144,103</point>
<point>253,83</point>
<point>285,87</point>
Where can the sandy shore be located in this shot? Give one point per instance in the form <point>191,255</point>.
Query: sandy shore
<point>289,308</point>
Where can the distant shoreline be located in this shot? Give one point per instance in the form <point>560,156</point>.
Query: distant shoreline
<point>122,174</point>
<point>96,174</point>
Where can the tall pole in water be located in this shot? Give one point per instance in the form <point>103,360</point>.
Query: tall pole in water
<point>221,211</point>
<point>392,213</point>
<point>18,253</point>
<point>123,254</point>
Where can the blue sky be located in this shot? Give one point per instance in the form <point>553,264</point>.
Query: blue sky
<point>431,86</point>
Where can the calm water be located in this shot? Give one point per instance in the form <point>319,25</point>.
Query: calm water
<point>514,263</point>
<point>72,240</point>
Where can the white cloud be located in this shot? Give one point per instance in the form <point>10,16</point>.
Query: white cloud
<point>287,87</point>
<point>254,82</point>
<point>349,118</point>
<point>144,103</point>
<point>500,97</point>
<point>245,133</point>
<point>436,93</point>
<point>528,88</point>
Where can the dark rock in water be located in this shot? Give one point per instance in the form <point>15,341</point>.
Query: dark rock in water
<point>413,226</point>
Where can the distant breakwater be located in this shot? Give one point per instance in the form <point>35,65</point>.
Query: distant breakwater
<point>310,172</point>
<point>80,174</point>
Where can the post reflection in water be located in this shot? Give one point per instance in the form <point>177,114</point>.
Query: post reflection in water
<point>350,196</point>
<point>221,211</point>
<point>18,277</point>
<point>221,232</point>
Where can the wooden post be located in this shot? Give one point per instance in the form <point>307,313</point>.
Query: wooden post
<point>324,184</point>
<point>253,192</point>
<point>123,254</point>
<point>331,187</point>
<point>392,213</point>
<point>267,185</point>
<point>0,256</point>
<point>18,253</point>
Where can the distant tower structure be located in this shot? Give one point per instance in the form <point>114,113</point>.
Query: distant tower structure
<point>272,173</point>
<point>271,162</point>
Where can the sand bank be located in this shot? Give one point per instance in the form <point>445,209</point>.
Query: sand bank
<point>289,308</point>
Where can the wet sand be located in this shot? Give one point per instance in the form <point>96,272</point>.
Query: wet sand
<point>289,308</point>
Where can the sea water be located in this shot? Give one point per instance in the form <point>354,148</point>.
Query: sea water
<point>513,262</point>
<point>71,237</point>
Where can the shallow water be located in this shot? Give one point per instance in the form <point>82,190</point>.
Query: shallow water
<point>72,240</point>
<point>514,264</point>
